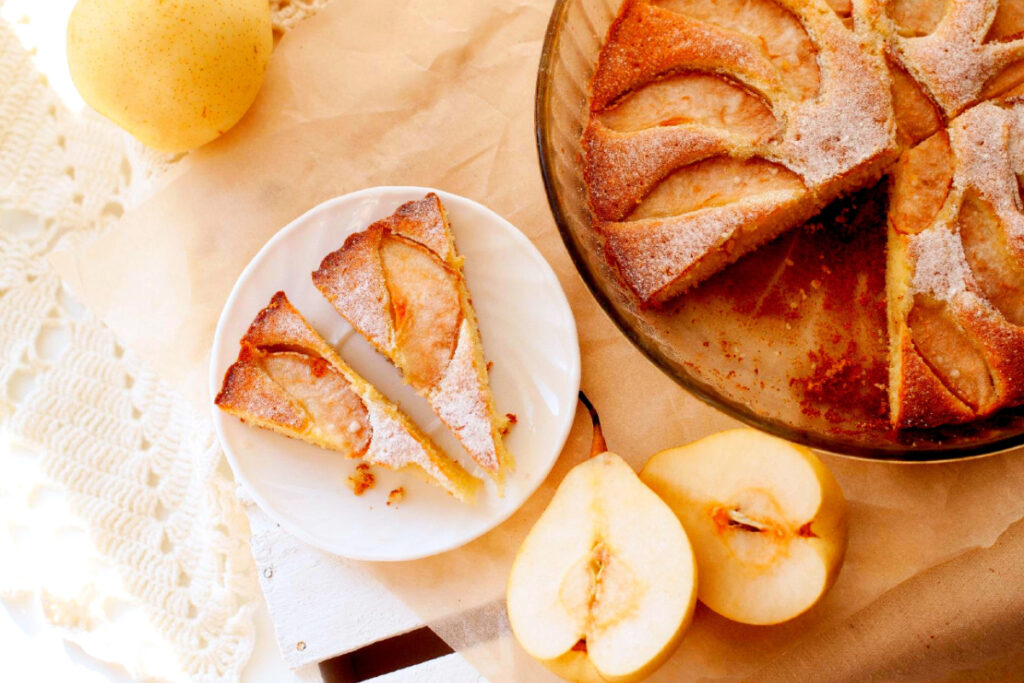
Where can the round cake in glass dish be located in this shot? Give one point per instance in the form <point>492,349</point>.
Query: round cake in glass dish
<point>837,183</point>
<point>716,126</point>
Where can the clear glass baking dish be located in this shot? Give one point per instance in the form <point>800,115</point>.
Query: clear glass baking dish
<point>791,339</point>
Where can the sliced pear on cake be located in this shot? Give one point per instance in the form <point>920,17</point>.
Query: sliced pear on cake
<point>604,585</point>
<point>766,518</point>
<point>426,309</point>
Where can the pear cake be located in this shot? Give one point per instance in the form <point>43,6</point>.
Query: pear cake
<point>713,126</point>
<point>400,284</point>
<point>289,380</point>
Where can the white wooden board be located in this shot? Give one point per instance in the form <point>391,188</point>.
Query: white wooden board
<point>322,606</point>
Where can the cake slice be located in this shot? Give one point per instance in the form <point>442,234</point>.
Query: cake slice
<point>955,275</point>
<point>288,379</point>
<point>715,125</point>
<point>399,283</point>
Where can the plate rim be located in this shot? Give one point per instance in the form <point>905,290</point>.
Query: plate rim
<point>561,435</point>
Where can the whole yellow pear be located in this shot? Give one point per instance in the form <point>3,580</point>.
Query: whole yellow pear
<point>174,73</point>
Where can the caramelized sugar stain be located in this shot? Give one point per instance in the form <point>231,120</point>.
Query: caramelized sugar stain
<point>815,298</point>
<point>818,291</point>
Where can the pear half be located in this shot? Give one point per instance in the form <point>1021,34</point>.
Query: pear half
<point>767,520</point>
<point>604,585</point>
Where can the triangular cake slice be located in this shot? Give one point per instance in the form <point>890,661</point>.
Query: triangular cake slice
<point>714,126</point>
<point>400,284</point>
<point>288,379</point>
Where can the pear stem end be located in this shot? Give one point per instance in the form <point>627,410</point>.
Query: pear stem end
<point>598,445</point>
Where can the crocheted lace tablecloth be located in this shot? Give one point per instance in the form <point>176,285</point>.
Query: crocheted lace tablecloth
<point>119,516</point>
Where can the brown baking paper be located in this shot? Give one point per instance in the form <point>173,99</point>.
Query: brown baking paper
<point>441,94</point>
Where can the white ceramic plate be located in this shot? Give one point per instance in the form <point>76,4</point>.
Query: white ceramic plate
<point>528,332</point>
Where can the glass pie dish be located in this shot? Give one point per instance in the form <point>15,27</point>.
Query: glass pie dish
<point>790,339</point>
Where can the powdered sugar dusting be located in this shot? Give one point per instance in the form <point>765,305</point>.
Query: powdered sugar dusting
<point>393,447</point>
<point>940,266</point>
<point>271,387</point>
<point>621,168</point>
<point>954,62</point>
<point>352,279</point>
<point>355,281</point>
<point>1016,136</point>
<point>981,140</point>
<point>423,220</point>
<point>280,324</point>
<point>249,393</point>
<point>461,402</point>
<point>655,252</point>
<point>646,42</point>
<point>849,124</point>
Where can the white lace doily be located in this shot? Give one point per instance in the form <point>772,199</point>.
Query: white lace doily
<point>121,522</point>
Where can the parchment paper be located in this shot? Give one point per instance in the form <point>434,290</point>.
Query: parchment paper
<point>441,94</point>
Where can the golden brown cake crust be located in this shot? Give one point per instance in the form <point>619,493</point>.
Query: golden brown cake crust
<point>645,42</point>
<point>354,275</point>
<point>921,399</point>
<point>957,62</point>
<point>621,169</point>
<point>247,391</point>
<point>423,220</point>
<point>652,251</point>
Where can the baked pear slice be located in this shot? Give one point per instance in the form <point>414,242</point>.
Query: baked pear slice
<point>288,379</point>
<point>400,284</point>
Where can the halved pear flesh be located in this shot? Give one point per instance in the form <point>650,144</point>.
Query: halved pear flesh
<point>604,585</point>
<point>766,518</point>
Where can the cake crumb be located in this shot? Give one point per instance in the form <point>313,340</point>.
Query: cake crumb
<point>396,496</point>
<point>510,419</point>
<point>490,365</point>
<point>362,479</point>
